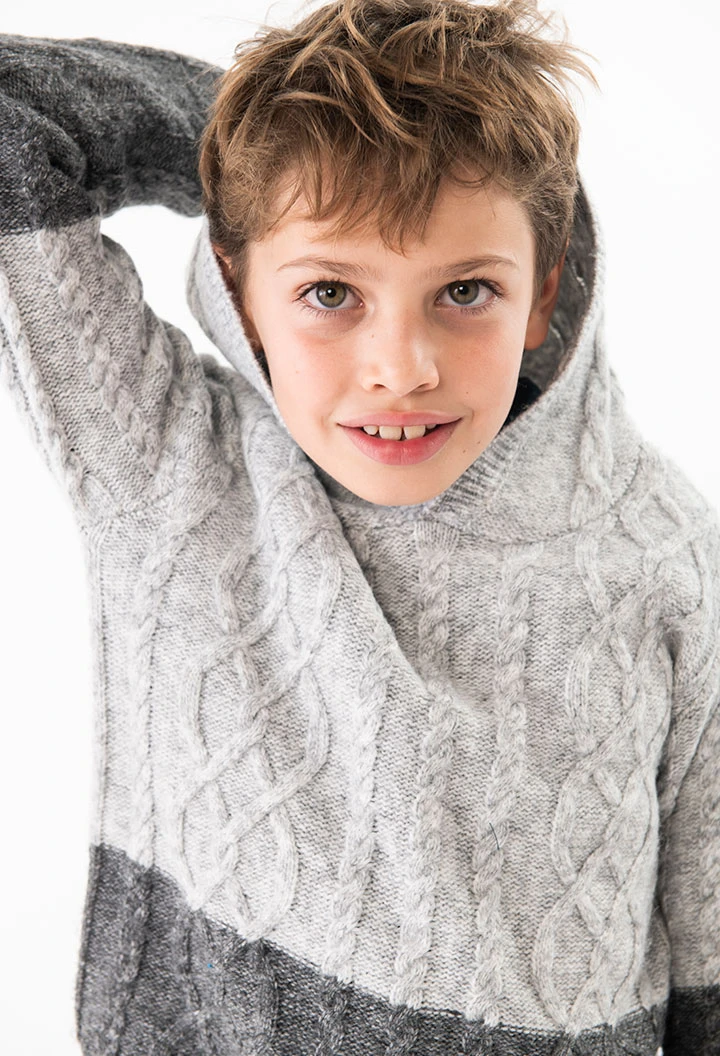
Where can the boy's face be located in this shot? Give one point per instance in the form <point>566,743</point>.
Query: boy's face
<point>423,332</point>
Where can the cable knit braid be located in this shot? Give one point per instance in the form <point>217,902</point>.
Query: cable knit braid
<point>354,868</point>
<point>590,499</point>
<point>435,545</point>
<point>692,534</point>
<point>198,1018</point>
<point>25,380</point>
<point>516,576</point>
<point>577,882</point>
<point>157,569</point>
<point>276,686</point>
<point>256,699</point>
<point>605,979</point>
<point>603,984</point>
<point>658,560</point>
<point>709,864</point>
<point>94,347</point>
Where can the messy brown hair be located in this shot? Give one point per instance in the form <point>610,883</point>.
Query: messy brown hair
<point>365,106</point>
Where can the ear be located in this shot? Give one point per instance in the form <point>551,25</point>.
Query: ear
<point>542,310</point>
<point>224,262</point>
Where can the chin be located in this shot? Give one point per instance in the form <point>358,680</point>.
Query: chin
<point>394,496</point>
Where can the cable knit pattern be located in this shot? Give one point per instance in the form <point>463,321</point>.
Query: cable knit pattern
<point>21,378</point>
<point>506,775</point>
<point>359,847</point>
<point>94,349</point>
<point>709,753</point>
<point>435,545</point>
<point>400,781</point>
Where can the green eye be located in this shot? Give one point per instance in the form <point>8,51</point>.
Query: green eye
<point>464,292</point>
<point>331,295</point>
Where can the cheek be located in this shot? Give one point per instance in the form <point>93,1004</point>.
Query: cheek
<point>491,364</point>
<point>307,373</point>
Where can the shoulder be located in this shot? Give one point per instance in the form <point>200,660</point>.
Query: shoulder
<point>681,530</point>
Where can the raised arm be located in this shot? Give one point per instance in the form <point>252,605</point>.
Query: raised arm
<point>114,396</point>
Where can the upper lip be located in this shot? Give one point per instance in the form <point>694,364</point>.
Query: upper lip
<point>399,418</point>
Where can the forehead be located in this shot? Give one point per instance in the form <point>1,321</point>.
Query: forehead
<point>483,220</point>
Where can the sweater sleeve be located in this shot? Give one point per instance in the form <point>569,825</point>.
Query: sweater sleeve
<point>114,396</point>
<point>690,898</point>
<point>689,851</point>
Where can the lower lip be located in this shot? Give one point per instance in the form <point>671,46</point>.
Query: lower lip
<point>401,452</point>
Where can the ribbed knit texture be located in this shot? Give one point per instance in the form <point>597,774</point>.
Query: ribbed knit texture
<point>408,780</point>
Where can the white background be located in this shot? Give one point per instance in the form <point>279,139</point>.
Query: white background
<point>649,156</point>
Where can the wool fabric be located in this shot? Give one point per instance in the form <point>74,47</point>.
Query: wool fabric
<point>407,780</point>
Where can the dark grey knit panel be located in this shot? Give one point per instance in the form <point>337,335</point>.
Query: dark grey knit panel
<point>202,989</point>
<point>693,1022</point>
<point>89,125</point>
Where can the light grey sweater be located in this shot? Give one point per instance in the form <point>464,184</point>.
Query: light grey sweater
<point>411,781</point>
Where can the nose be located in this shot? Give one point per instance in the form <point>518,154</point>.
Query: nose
<point>399,354</point>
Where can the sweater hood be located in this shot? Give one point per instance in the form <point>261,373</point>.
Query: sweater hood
<point>561,462</point>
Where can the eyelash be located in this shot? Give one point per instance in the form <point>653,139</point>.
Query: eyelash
<point>493,287</point>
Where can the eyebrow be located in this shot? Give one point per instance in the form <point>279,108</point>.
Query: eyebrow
<point>358,271</point>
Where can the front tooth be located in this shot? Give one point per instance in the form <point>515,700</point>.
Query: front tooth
<point>396,432</point>
<point>390,432</point>
<point>412,432</point>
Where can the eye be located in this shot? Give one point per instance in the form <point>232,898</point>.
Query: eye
<point>331,296</point>
<point>329,293</point>
<point>465,293</point>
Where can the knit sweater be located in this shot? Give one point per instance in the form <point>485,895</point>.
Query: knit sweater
<point>408,780</point>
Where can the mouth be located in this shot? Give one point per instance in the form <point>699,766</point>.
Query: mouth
<point>396,418</point>
<point>401,452</point>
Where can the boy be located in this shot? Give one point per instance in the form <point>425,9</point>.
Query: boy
<point>407,742</point>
